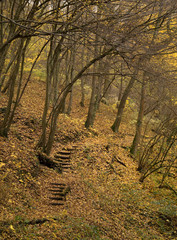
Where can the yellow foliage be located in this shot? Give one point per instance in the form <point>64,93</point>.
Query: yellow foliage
<point>12,228</point>
<point>2,164</point>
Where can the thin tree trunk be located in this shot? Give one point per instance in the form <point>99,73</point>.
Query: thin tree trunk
<point>106,69</point>
<point>82,81</point>
<point>116,124</point>
<point>93,104</point>
<point>139,123</point>
<point>99,86</point>
<point>19,85</point>
<point>55,82</point>
<point>6,71</point>
<point>72,64</point>
<point>121,86</point>
<point>47,97</point>
<point>92,108</point>
<point>4,127</point>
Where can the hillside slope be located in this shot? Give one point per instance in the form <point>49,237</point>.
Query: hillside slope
<point>104,200</point>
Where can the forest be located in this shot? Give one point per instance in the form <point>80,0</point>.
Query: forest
<point>88,119</point>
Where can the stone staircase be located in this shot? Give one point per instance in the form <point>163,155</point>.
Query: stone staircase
<point>58,191</point>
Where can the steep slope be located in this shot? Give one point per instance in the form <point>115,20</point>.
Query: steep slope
<point>104,200</point>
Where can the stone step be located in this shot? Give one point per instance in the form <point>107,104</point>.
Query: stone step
<point>64,152</point>
<point>65,164</point>
<point>66,167</point>
<point>56,190</point>
<point>69,149</point>
<point>58,184</point>
<point>61,194</point>
<point>57,204</point>
<point>62,161</point>
<point>57,187</point>
<point>57,198</point>
<point>62,156</point>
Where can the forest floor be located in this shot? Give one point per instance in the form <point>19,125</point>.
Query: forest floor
<point>106,199</point>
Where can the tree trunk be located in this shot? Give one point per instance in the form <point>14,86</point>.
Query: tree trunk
<point>82,81</point>
<point>106,69</point>
<point>120,87</point>
<point>93,101</point>
<point>82,102</point>
<point>47,97</point>
<point>5,73</point>
<point>116,124</point>
<point>71,73</point>
<point>55,82</point>
<point>4,128</point>
<point>99,87</point>
<point>92,106</point>
<point>19,84</point>
<point>139,123</point>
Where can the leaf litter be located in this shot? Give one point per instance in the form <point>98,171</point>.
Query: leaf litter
<point>106,200</point>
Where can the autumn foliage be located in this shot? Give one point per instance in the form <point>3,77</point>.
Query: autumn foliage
<point>88,114</point>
